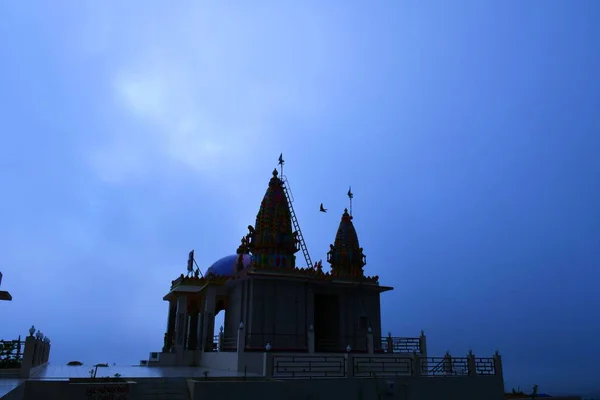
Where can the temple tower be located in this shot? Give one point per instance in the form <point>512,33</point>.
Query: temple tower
<point>345,255</point>
<point>272,241</point>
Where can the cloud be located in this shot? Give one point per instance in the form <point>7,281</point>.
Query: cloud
<point>205,84</point>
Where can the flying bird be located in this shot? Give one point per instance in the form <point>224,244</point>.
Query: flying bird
<point>322,209</point>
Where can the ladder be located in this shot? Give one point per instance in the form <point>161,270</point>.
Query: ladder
<point>290,199</point>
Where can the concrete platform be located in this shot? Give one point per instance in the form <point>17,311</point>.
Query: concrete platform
<point>60,372</point>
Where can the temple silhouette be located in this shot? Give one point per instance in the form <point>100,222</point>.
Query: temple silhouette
<point>278,302</point>
<point>285,321</point>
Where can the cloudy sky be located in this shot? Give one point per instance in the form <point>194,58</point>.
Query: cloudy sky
<point>134,131</point>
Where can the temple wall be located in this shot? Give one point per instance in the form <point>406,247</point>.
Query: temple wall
<point>279,314</point>
<point>233,312</point>
<point>357,304</point>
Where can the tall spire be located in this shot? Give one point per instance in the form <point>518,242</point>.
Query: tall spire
<point>345,255</point>
<point>272,240</point>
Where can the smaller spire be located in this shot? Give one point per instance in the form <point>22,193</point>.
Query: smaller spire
<point>345,255</point>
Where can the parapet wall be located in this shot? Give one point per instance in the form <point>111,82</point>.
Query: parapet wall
<point>406,388</point>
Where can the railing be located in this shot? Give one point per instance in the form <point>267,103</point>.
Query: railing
<point>276,342</point>
<point>388,365</point>
<point>485,366</point>
<point>397,345</point>
<point>382,366</point>
<point>11,353</point>
<point>309,367</point>
<point>215,343</point>
<point>229,344</point>
<point>444,366</point>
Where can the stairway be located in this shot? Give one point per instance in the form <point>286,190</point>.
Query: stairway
<point>163,389</point>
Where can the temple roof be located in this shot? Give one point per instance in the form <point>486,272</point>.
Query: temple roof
<point>346,237</point>
<point>227,266</point>
<point>345,255</point>
<point>273,228</point>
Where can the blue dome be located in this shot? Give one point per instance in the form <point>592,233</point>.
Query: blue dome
<point>226,266</point>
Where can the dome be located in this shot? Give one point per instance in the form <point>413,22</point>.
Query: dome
<point>226,266</point>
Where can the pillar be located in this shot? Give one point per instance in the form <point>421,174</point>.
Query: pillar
<point>471,366</point>
<point>170,334</point>
<point>448,364</point>
<point>268,364</point>
<point>370,342</point>
<point>241,338</point>
<point>208,325</point>
<point>416,370</point>
<point>498,367</point>
<point>311,339</point>
<point>28,355</point>
<point>423,344</point>
<point>220,340</point>
<point>199,337</point>
<point>349,365</point>
<point>48,351</point>
<point>390,343</point>
<point>193,331</point>
<point>310,306</point>
<point>180,324</point>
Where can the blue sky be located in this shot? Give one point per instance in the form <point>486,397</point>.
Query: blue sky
<point>135,131</point>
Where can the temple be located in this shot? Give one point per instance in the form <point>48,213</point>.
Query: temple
<point>277,302</point>
<point>285,321</point>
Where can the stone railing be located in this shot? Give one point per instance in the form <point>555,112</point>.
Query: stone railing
<point>21,356</point>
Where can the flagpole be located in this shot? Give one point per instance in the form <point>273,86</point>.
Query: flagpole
<point>350,196</point>
<point>281,164</point>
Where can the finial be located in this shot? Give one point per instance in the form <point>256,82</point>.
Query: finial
<point>369,330</point>
<point>311,328</point>
<point>348,348</point>
<point>268,347</point>
<point>422,332</point>
<point>241,325</point>
<point>275,173</point>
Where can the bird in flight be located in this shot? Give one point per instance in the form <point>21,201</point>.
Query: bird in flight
<point>322,209</point>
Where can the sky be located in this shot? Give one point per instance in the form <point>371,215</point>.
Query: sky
<point>132,132</point>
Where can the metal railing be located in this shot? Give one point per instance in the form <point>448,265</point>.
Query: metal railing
<point>444,366</point>
<point>485,366</point>
<point>276,341</point>
<point>304,366</point>
<point>229,344</point>
<point>369,366</point>
<point>11,353</point>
